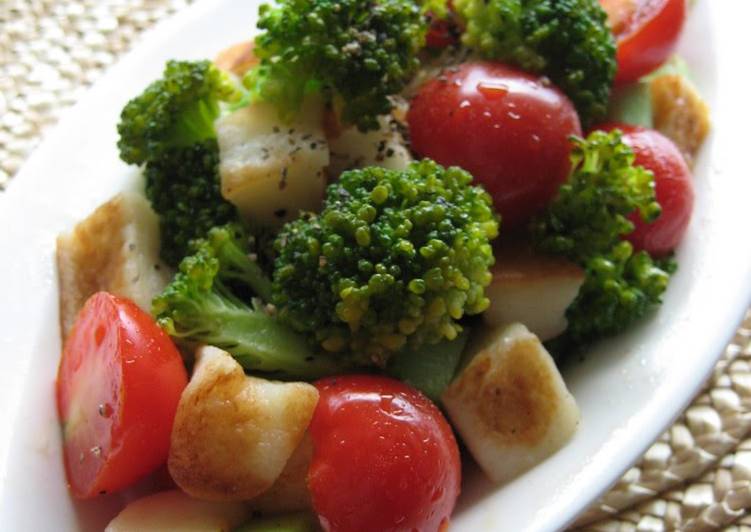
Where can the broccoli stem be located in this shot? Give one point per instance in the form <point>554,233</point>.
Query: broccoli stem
<point>199,306</point>
<point>258,280</point>
<point>431,367</point>
<point>259,342</point>
<point>255,339</point>
<point>239,266</point>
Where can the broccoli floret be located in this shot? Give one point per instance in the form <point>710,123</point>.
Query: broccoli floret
<point>183,187</point>
<point>177,110</point>
<point>567,40</point>
<point>395,258</point>
<point>232,245</point>
<point>586,223</point>
<point>201,305</point>
<point>620,287</point>
<point>170,128</point>
<point>359,52</point>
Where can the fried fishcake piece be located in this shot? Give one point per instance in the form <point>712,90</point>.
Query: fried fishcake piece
<point>233,433</point>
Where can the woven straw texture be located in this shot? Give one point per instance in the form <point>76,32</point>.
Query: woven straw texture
<point>697,476</point>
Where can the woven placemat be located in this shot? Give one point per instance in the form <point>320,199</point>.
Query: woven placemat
<point>697,476</point>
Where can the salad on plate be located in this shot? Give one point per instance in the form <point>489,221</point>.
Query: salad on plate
<point>364,243</point>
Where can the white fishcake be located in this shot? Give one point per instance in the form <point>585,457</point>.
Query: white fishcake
<point>234,434</point>
<point>510,404</point>
<point>115,249</point>
<point>177,512</point>
<point>289,493</point>
<point>534,290</point>
<point>271,170</point>
<point>383,147</point>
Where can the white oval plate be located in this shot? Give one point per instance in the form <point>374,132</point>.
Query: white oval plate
<point>629,389</point>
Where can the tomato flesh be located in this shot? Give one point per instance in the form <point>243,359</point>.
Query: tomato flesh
<point>385,459</point>
<point>119,382</point>
<point>509,129</point>
<point>646,32</point>
<point>674,189</point>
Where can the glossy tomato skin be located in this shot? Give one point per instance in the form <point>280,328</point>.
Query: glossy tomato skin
<point>507,128</point>
<point>646,32</point>
<point>674,189</point>
<point>385,459</point>
<point>118,385</point>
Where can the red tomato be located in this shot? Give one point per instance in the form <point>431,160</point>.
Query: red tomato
<point>384,457</point>
<point>646,32</point>
<point>674,189</point>
<point>118,385</point>
<point>507,128</point>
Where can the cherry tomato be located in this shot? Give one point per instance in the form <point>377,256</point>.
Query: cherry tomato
<point>674,189</point>
<point>384,458</point>
<point>646,32</point>
<point>118,385</point>
<point>507,128</point>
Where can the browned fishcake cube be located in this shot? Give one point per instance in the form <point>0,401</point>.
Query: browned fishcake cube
<point>115,249</point>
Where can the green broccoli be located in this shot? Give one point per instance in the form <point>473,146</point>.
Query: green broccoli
<point>395,259</point>
<point>429,368</point>
<point>567,40</point>
<point>358,52</point>
<point>202,305</point>
<point>169,127</point>
<point>232,245</point>
<point>586,223</point>
<point>620,287</point>
<point>177,110</point>
<point>182,185</point>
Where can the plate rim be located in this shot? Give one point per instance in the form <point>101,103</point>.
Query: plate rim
<point>726,79</point>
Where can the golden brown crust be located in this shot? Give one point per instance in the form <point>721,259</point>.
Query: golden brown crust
<point>520,263</point>
<point>238,58</point>
<point>83,258</point>
<point>516,400</point>
<point>115,249</point>
<point>680,113</point>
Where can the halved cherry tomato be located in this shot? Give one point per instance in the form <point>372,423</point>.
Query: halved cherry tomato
<point>384,457</point>
<point>118,385</point>
<point>507,128</point>
<point>646,32</point>
<point>673,187</point>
